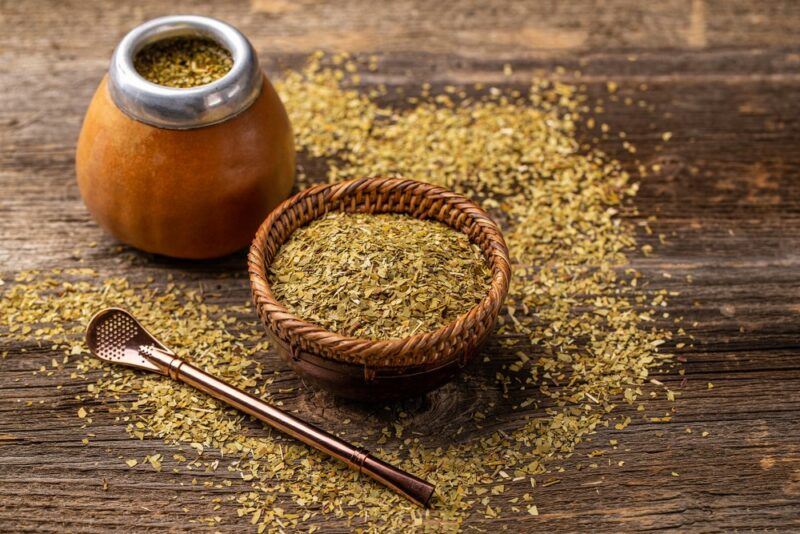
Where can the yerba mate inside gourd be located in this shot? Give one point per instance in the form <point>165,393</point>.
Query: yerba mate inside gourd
<point>379,276</point>
<point>183,62</point>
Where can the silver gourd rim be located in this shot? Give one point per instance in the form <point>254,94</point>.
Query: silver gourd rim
<point>194,107</point>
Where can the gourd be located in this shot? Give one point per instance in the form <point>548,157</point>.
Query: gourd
<point>184,191</point>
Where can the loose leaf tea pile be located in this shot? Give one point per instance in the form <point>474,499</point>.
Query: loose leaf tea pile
<point>579,338</point>
<point>183,62</point>
<point>378,276</point>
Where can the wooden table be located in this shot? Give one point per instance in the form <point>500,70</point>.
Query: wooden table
<point>723,77</point>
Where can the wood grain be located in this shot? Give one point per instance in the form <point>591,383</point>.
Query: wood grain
<point>723,77</point>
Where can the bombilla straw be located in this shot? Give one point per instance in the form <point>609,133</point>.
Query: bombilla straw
<point>115,336</point>
<point>361,460</point>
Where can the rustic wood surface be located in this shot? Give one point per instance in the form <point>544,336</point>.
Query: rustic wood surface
<point>722,76</point>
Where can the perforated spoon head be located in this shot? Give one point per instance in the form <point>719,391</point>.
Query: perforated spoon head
<point>115,336</point>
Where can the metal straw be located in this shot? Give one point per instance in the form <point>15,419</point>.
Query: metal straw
<point>115,336</point>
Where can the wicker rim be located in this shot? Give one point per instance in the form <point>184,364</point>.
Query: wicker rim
<point>457,339</point>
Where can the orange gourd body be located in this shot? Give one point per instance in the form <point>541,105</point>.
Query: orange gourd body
<point>197,193</point>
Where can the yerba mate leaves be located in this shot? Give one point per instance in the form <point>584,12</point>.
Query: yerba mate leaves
<point>183,62</point>
<point>379,276</point>
<point>591,327</point>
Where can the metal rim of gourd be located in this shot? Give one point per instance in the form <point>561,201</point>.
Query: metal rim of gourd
<point>184,108</point>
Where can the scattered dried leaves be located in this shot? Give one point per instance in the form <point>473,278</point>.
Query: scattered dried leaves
<point>580,326</point>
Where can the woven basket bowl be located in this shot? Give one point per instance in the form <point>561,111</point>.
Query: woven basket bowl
<point>365,369</point>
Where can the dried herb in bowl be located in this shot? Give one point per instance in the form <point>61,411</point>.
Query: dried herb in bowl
<point>183,62</point>
<point>379,276</point>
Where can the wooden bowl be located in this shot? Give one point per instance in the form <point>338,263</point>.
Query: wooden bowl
<point>365,369</point>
